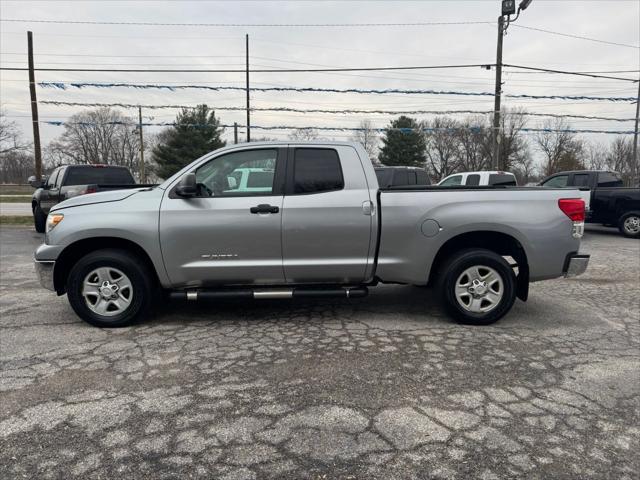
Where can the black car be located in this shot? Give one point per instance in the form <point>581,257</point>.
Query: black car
<point>611,203</point>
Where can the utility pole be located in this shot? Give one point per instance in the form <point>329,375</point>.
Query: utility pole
<point>34,109</point>
<point>248,116</point>
<point>235,133</point>
<point>508,9</point>
<point>498,97</point>
<point>142,173</point>
<point>635,138</point>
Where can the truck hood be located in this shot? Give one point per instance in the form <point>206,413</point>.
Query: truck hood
<point>100,197</point>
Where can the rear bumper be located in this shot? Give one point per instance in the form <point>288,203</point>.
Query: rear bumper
<point>576,265</point>
<point>44,271</point>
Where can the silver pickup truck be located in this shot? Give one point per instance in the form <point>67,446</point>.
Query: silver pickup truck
<point>308,221</point>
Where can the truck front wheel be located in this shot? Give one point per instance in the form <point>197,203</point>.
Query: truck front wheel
<point>477,286</point>
<point>110,288</point>
<point>39,219</point>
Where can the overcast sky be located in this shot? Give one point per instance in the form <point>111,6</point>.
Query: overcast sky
<point>120,46</point>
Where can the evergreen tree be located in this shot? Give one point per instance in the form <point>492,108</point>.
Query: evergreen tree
<point>403,147</point>
<point>196,132</point>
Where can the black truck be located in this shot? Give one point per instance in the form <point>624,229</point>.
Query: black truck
<point>72,180</point>
<point>611,204</point>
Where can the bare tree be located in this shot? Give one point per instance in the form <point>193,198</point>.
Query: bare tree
<point>596,156</point>
<point>620,158</point>
<point>472,140</point>
<point>513,144</point>
<point>368,137</point>
<point>16,166</point>
<point>102,135</point>
<point>304,135</point>
<point>442,146</point>
<point>559,146</point>
<point>10,136</point>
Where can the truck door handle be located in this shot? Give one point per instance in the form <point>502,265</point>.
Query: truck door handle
<point>264,208</point>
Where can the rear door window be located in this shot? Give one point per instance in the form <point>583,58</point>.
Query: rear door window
<point>473,180</point>
<point>502,179</point>
<point>609,179</point>
<point>401,177</point>
<point>580,180</point>
<point>422,178</point>
<point>557,181</point>
<point>384,177</point>
<point>316,170</point>
<point>99,175</point>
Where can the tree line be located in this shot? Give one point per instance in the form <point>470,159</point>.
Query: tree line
<point>442,145</point>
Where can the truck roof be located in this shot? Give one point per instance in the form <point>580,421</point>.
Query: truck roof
<point>584,171</point>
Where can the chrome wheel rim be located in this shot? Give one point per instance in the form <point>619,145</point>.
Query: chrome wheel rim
<point>479,289</point>
<point>107,291</point>
<point>632,224</point>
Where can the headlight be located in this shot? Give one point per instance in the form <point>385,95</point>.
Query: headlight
<point>52,220</point>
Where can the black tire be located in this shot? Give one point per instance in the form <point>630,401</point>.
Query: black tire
<point>454,267</point>
<point>39,219</point>
<point>142,282</point>
<point>624,229</point>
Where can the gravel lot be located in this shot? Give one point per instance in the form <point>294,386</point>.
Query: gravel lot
<point>383,387</point>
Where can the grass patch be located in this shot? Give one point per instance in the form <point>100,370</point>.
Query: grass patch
<point>16,220</point>
<point>15,199</point>
<point>16,190</point>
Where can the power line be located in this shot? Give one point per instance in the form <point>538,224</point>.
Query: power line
<point>317,70</point>
<point>338,129</point>
<point>269,70</point>
<point>566,72</point>
<point>124,56</point>
<point>290,25</point>
<point>332,111</point>
<point>65,85</point>
<point>579,37</point>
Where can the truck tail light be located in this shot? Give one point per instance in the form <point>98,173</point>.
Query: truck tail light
<point>90,190</point>
<point>574,208</point>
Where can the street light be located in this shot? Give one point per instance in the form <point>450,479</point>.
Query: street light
<point>508,9</point>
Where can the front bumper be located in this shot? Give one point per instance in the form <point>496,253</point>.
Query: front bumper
<point>44,270</point>
<point>576,265</point>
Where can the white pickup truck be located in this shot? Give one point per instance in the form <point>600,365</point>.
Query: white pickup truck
<point>314,223</point>
<point>474,179</point>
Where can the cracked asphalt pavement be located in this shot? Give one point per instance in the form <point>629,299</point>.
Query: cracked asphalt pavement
<point>382,387</point>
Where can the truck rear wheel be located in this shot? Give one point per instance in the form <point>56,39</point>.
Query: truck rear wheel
<point>110,288</point>
<point>477,286</point>
<point>39,219</point>
<point>629,225</point>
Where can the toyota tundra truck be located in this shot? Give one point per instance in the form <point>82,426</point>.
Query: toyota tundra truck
<point>318,226</point>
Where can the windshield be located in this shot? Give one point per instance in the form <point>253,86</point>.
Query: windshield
<point>98,175</point>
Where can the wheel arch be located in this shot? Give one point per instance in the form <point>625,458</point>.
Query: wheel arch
<point>78,249</point>
<point>501,243</point>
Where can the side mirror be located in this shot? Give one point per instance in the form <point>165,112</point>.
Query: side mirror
<point>35,183</point>
<point>187,186</point>
<point>233,184</point>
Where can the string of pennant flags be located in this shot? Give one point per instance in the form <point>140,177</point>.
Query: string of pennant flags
<point>336,129</point>
<point>333,111</point>
<point>79,85</point>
